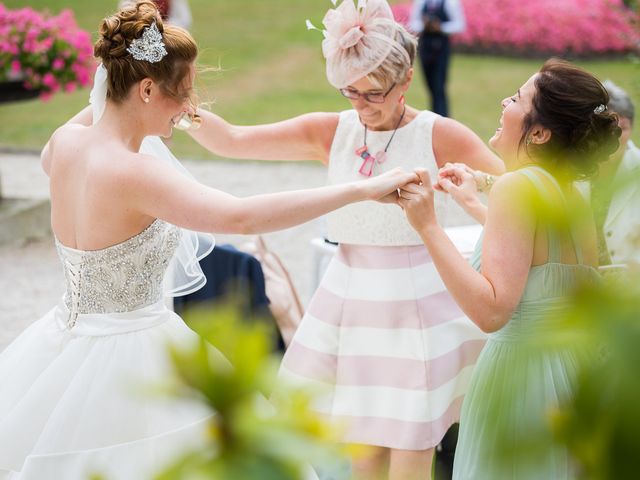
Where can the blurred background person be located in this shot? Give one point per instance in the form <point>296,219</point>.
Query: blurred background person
<point>615,192</point>
<point>434,21</point>
<point>175,12</point>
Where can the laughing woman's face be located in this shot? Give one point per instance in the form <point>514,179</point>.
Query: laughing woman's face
<point>506,140</point>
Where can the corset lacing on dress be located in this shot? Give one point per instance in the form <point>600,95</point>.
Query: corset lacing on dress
<point>119,278</point>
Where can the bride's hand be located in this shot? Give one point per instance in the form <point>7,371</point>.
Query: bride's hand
<point>389,198</point>
<point>384,187</point>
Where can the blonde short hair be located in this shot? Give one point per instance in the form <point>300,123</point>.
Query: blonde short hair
<point>394,68</point>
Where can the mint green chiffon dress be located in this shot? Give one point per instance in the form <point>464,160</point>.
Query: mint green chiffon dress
<point>516,382</point>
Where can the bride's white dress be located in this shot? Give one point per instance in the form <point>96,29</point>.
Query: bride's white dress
<point>76,386</point>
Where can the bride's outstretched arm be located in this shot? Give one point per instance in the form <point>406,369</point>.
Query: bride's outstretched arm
<point>154,189</point>
<point>306,137</point>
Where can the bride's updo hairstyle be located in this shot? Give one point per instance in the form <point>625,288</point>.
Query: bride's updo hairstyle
<point>116,34</point>
<point>571,103</point>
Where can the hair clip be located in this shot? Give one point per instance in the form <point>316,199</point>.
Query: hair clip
<point>599,109</point>
<point>149,46</point>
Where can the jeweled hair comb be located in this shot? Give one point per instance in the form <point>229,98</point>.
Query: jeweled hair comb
<point>149,47</point>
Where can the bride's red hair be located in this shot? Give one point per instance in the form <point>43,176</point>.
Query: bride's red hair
<point>117,31</point>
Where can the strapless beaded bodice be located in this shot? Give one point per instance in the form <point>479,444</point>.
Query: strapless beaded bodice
<point>119,278</point>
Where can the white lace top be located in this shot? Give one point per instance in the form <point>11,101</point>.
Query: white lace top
<point>120,278</point>
<point>373,223</point>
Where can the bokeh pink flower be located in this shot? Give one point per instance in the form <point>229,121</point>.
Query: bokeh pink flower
<point>49,53</point>
<point>544,27</point>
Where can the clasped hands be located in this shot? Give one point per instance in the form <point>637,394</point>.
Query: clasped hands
<point>417,198</point>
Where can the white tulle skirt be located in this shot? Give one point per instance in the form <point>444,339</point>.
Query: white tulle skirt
<point>83,401</point>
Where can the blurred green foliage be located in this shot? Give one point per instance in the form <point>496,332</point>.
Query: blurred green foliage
<point>232,371</point>
<point>599,425</point>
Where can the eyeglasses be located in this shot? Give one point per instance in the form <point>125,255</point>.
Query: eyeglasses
<point>369,97</point>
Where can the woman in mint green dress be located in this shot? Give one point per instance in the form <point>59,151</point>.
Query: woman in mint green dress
<point>554,130</point>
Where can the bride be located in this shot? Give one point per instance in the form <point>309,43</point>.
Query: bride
<point>71,402</point>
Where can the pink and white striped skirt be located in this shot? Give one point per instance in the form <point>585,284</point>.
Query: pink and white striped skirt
<point>387,346</point>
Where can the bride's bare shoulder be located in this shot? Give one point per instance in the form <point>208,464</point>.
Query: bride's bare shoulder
<point>76,147</point>
<point>68,133</point>
<point>58,141</point>
<point>125,170</point>
<point>67,137</point>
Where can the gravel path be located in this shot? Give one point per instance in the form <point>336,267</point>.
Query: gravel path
<point>31,280</point>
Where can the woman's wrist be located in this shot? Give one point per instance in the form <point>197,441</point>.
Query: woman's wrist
<point>478,211</point>
<point>357,191</point>
<point>471,203</point>
<point>427,229</point>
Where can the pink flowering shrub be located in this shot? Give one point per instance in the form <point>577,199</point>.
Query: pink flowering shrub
<point>48,53</point>
<point>544,27</point>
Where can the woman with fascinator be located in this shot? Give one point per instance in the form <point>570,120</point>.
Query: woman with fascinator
<point>381,332</point>
<point>70,399</point>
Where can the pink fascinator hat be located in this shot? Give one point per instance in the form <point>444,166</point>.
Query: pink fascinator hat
<point>357,39</point>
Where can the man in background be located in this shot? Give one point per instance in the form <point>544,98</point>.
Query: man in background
<point>175,12</point>
<point>434,21</point>
<point>615,191</point>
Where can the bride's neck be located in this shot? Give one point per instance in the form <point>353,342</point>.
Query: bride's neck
<point>123,123</point>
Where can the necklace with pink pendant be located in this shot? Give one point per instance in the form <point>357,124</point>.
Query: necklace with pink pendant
<point>368,160</point>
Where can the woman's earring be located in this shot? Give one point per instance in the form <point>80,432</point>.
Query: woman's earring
<point>146,99</point>
<point>529,140</point>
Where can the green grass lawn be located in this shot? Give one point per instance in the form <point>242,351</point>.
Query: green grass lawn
<point>272,68</point>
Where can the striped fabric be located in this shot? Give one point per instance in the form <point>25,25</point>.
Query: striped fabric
<point>387,346</point>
